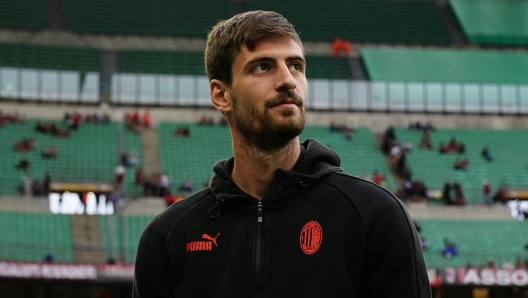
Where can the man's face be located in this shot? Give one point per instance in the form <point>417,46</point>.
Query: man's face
<point>268,93</point>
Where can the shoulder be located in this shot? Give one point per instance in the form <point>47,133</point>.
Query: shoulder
<point>162,223</point>
<point>371,201</point>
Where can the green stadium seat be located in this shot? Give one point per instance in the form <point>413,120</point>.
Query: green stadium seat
<point>435,168</point>
<point>30,237</point>
<point>416,22</point>
<point>477,242</point>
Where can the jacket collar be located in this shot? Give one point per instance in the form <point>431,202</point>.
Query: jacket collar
<point>315,161</point>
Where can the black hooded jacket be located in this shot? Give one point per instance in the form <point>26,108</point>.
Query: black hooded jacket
<point>316,233</point>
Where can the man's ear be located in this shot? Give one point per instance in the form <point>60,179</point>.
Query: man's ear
<point>220,96</point>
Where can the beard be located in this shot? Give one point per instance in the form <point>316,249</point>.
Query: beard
<point>260,130</point>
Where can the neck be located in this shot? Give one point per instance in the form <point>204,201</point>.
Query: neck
<point>254,169</point>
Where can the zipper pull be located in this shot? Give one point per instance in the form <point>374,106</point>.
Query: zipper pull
<point>259,211</point>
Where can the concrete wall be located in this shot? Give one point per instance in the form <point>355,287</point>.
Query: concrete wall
<point>377,122</point>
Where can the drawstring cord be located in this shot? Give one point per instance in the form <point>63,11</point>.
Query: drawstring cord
<point>217,206</point>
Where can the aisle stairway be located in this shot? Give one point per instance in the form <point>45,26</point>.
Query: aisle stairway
<point>87,239</point>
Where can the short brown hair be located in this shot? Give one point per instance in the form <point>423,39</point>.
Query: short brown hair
<point>249,28</point>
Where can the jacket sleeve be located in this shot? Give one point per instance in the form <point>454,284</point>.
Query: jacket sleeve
<point>152,273</point>
<point>394,265</point>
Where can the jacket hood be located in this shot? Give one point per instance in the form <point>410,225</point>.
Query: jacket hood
<point>315,161</point>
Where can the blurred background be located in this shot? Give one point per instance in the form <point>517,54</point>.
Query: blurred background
<point>105,120</point>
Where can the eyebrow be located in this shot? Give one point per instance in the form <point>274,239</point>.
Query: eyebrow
<point>269,59</point>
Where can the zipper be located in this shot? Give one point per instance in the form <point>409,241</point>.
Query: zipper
<point>258,254</point>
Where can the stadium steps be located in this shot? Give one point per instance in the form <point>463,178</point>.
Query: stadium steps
<point>87,239</point>
<point>150,145</point>
<point>451,23</point>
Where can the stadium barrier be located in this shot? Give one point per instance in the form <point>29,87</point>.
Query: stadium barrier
<point>324,94</point>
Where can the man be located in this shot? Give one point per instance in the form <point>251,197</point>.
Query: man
<point>280,219</point>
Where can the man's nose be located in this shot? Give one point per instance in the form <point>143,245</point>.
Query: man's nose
<point>285,80</point>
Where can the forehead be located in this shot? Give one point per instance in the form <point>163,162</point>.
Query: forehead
<point>275,48</point>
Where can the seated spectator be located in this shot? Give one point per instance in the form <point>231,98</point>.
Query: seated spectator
<point>416,125</point>
<point>452,146</point>
<point>461,148</point>
<point>222,121</point>
<point>501,196</point>
<point>50,152</point>
<point>423,243</point>
<point>186,185</point>
<point>450,249</point>
<point>442,148</point>
<point>182,131</point>
<point>446,194</point>
<point>461,164</point>
<point>425,142</point>
<point>378,178</point>
<point>26,144</point>
<point>204,120</point>
<point>139,177</point>
<point>76,121</point>
<point>486,154</point>
<point>23,164</point>
<point>460,199</point>
<point>123,159</point>
<point>132,160</point>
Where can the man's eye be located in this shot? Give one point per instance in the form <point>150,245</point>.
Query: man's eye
<point>296,67</point>
<point>260,68</point>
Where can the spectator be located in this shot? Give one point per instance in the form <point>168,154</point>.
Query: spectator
<point>132,160</point>
<point>460,200</point>
<point>123,159</point>
<point>165,185</point>
<point>23,164</point>
<point>26,144</point>
<point>47,184</point>
<point>486,154</point>
<point>139,177</point>
<point>50,152</point>
<point>27,184</point>
<point>182,131</point>
<point>146,119</point>
<point>461,164</point>
<point>378,178</point>
<point>501,196</point>
<point>425,142</point>
<point>222,121</point>
<point>450,249</point>
<point>204,120</point>
<point>186,185</point>
<point>423,243</point>
<point>486,190</point>
<point>120,171</point>
<point>446,194</point>
<point>49,258</point>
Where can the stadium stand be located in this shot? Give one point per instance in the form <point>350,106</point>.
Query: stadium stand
<point>29,237</point>
<point>184,18</point>
<point>191,63</point>
<point>360,156</point>
<point>414,22</point>
<point>50,57</point>
<point>23,14</point>
<point>478,241</point>
<point>90,154</point>
<point>504,25</point>
<point>445,65</point>
<point>506,146</point>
